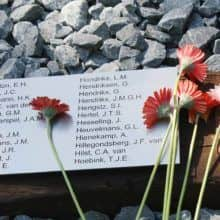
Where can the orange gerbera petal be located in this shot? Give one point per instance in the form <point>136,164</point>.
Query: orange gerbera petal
<point>49,106</point>
<point>190,97</point>
<point>157,107</point>
<point>190,60</point>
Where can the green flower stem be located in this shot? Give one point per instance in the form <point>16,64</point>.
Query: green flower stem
<point>59,162</point>
<point>172,163</point>
<point>205,178</point>
<point>168,168</point>
<point>188,165</point>
<point>156,165</point>
<point>171,148</point>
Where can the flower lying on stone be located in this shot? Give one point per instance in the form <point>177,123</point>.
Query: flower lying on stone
<point>157,107</point>
<point>49,107</point>
<point>191,62</point>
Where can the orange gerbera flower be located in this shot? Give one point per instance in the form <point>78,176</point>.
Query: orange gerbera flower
<point>191,62</point>
<point>49,107</point>
<point>157,107</point>
<point>190,97</point>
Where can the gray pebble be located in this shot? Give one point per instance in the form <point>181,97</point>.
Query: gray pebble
<point>98,28</point>
<point>6,25</point>
<point>175,20</point>
<point>96,10</point>
<point>12,68</point>
<point>129,213</point>
<point>29,12</point>
<point>154,33</point>
<point>67,56</point>
<point>111,48</point>
<point>213,63</point>
<point>75,13</point>
<point>200,36</point>
<point>41,72</point>
<point>84,40</point>
<point>108,67</point>
<point>154,55</point>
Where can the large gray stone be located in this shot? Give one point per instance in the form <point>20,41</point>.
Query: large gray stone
<point>12,68</point>
<point>18,51</point>
<point>62,31</point>
<point>75,13</point>
<point>84,53</point>
<point>98,28</point>
<point>54,68</point>
<point>84,40</point>
<point>111,48</point>
<point>132,37</point>
<point>213,21</point>
<point>144,3</point>
<point>67,56</point>
<point>154,33</point>
<point>208,214</point>
<point>23,31</point>
<point>29,12</point>
<point>3,3</point>
<point>93,215</point>
<point>54,4</point>
<point>6,25</point>
<point>75,70</point>
<point>171,4</point>
<point>117,23</point>
<point>27,34</point>
<point>151,14</point>
<point>4,56</point>
<point>41,72</point>
<point>55,16</point>
<point>210,8</point>
<point>109,3</point>
<point>129,213</point>
<point>51,29</point>
<point>154,55</point>
<point>18,3</point>
<point>136,40</point>
<point>216,48</point>
<point>96,60</point>
<point>132,63</point>
<point>127,11</point>
<point>200,37</point>
<point>31,67</point>
<point>171,57</point>
<point>127,52</point>
<point>48,29</point>
<point>213,63</point>
<point>5,46</point>
<point>195,21</point>
<point>129,59</point>
<point>108,67</point>
<point>95,10</point>
<point>107,14</point>
<point>175,20</point>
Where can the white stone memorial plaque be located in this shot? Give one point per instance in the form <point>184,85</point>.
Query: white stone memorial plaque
<point>104,129</point>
